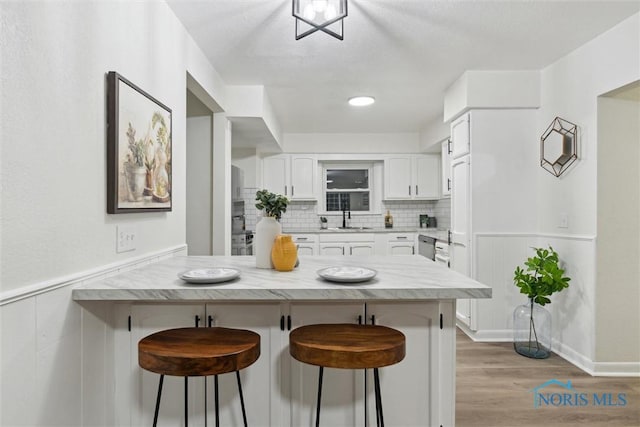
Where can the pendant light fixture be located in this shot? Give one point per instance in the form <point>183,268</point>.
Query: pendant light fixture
<point>323,15</point>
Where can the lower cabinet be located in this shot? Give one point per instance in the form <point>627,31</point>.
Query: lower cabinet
<point>307,243</point>
<point>342,390</point>
<point>347,244</point>
<point>280,391</point>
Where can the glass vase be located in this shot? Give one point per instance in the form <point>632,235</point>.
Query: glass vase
<point>532,330</point>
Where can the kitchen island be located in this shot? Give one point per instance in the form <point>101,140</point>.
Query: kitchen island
<point>410,293</point>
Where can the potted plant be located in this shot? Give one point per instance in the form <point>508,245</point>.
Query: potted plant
<point>323,222</point>
<point>532,323</point>
<point>273,205</point>
<point>134,168</point>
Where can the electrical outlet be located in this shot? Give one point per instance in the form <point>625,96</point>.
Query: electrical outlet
<point>126,238</point>
<point>564,221</point>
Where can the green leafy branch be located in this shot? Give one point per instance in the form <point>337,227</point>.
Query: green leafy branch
<point>542,277</point>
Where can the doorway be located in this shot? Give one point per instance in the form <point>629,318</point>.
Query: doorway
<point>618,226</point>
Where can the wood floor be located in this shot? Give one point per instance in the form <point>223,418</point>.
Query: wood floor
<point>494,388</point>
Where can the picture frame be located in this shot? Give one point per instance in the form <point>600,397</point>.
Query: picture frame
<point>139,149</point>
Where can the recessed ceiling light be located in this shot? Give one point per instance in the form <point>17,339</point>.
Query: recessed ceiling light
<point>361,101</point>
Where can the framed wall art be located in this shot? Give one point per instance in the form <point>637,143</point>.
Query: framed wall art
<point>138,149</point>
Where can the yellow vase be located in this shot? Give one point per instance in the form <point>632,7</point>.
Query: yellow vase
<point>284,253</point>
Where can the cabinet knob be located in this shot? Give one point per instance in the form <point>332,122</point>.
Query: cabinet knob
<point>416,190</point>
<point>409,190</point>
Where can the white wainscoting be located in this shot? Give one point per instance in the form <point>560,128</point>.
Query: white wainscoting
<point>55,364</point>
<point>573,310</point>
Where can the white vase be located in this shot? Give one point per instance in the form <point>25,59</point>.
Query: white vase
<point>266,231</point>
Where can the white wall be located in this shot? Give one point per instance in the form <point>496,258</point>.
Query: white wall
<point>55,56</point>
<point>55,232</point>
<point>618,246</point>
<point>199,189</point>
<point>351,142</point>
<point>570,88</point>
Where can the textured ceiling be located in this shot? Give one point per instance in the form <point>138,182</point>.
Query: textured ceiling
<point>403,52</point>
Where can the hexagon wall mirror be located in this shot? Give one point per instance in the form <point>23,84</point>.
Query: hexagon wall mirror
<point>558,146</point>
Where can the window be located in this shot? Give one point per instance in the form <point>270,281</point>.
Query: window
<point>348,186</point>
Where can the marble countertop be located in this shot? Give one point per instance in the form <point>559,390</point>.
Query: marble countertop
<point>403,277</point>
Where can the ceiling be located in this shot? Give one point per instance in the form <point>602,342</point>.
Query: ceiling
<point>405,53</point>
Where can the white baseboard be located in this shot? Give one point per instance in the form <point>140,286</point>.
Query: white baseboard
<point>14,295</point>
<point>596,369</point>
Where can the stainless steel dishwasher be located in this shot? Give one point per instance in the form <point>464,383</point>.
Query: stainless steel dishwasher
<point>427,246</point>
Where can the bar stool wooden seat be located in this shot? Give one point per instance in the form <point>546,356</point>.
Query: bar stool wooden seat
<point>348,346</point>
<point>193,352</point>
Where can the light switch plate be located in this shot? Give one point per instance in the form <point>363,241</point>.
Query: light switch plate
<point>126,238</point>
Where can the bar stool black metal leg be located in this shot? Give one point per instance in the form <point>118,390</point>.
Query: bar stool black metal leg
<point>155,414</point>
<point>319,396</point>
<point>215,397</point>
<point>186,401</point>
<point>244,413</point>
<point>379,416</point>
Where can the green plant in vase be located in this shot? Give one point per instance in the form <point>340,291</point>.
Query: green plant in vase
<point>273,204</point>
<point>541,278</point>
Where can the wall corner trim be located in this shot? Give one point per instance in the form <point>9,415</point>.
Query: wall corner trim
<point>29,291</point>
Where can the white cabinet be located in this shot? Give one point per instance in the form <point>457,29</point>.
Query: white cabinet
<point>445,162</point>
<point>401,244</point>
<point>262,381</point>
<point>412,177</point>
<point>278,390</point>
<point>347,244</point>
<point>460,136</point>
<point>237,183</point>
<point>411,395</point>
<point>293,175</point>
<point>135,388</point>
<point>460,246</point>
<point>342,389</point>
<point>307,243</point>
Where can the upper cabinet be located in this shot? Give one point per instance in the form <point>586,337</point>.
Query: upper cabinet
<point>460,136</point>
<point>412,177</point>
<point>293,175</point>
<point>445,157</point>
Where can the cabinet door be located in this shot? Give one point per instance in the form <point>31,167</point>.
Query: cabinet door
<point>446,167</point>
<point>332,248</point>
<point>306,249</point>
<point>306,243</point>
<point>145,320</point>
<point>275,174</point>
<point>460,137</point>
<point>361,249</point>
<point>303,177</point>
<point>426,172</point>
<point>461,216</point>
<point>342,389</point>
<point>409,388</point>
<point>397,178</point>
<point>401,248</point>
<point>261,382</point>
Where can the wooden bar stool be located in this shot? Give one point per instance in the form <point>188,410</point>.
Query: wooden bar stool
<point>348,346</point>
<point>194,352</point>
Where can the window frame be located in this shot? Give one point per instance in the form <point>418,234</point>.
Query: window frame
<point>374,189</point>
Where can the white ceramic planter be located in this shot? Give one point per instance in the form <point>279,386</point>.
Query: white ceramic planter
<point>266,231</point>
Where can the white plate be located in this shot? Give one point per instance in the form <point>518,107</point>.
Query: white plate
<point>347,274</point>
<point>209,275</point>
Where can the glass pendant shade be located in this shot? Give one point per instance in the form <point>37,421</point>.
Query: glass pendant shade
<point>319,15</point>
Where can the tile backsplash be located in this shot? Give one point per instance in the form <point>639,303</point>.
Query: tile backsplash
<point>304,215</point>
